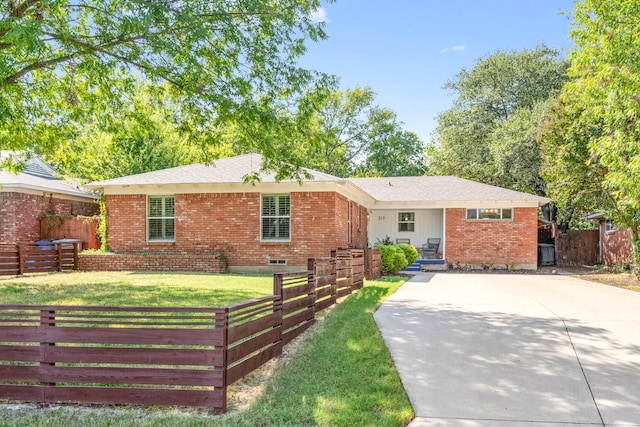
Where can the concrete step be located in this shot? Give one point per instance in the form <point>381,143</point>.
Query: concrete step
<point>431,264</point>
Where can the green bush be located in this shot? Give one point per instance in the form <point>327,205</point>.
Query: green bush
<point>393,258</point>
<point>410,252</point>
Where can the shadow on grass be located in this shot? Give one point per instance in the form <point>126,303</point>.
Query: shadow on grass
<point>122,294</point>
<point>341,375</point>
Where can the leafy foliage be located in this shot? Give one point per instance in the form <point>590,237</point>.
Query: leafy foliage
<point>392,258</point>
<point>410,252</point>
<point>489,134</point>
<point>149,133</point>
<point>600,109</point>
<point>60,60</point>
<point>347,134</point>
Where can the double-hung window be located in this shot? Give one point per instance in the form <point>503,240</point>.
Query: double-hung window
<point>406,221</point>
<point>161,218</point>
<point>275,217</point>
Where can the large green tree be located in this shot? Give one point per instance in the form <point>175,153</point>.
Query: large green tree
<point>60,58</point>
<point>489,133</point>
<point>596,125</point>
<point>351,135</point>
<point>343,133</point>
<point>151,132</point>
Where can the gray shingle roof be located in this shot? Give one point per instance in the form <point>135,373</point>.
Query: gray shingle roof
<point>37,182</point>
<point>437,189</point>
<point>229,170</point>
<point>394,189</point>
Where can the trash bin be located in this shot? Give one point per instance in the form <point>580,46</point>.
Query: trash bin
<point>546,254</point>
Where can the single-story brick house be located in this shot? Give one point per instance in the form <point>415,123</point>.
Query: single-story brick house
<point>26,197</point>
<point>205,209</point>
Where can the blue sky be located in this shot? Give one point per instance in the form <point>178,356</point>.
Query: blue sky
<point>405,50</point>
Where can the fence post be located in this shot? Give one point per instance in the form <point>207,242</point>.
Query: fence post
<point>312,272</point>
<point>20,261</point>
<point>76,246</point>
<point>222,321</point>
<point>59,250</point>
<point>47,321</point>
<point>311,280</point>
<point>334,277</point>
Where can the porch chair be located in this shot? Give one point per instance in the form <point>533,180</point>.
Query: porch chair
<point>430,249</point>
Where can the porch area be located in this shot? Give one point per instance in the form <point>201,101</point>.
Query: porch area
<point>421,228</point>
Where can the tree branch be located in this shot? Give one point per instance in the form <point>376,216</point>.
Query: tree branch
<point>16,12</point>
<point>86,49</point>
<point>36,66</point>
<point>19,10</point>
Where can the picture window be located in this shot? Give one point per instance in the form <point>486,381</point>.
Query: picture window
<point>490,213</point>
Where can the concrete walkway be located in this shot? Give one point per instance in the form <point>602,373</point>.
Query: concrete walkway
<point>515,350</point>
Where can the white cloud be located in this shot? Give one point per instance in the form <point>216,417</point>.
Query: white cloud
<point>319,15</point>
<point>457,48</point>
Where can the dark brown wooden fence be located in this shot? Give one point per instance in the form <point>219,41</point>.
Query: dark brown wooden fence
<point>373,264</point>
<point>298,302</point>
<point>349,270</point>
<point>577,247</point>
<point>138,355</point>
<point>253,336</point>
<point>39,258</point>
<point>9,262</point>
<point>155,355</point>
<point>324,276</point>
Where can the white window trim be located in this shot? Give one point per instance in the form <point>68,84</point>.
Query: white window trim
<point>477,218</point>
<point>407,222</point>
<point>163,196</point>
<point>262,239</point>
<point>609,226</point>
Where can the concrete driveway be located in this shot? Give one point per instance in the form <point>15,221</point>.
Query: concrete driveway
<point>515,350</point>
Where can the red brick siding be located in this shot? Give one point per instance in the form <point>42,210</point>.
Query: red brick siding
<point>616,247</point>
<point>492,241</point>
<point>155,262</point>
<point>126,222</point>
<point>20,214</point>
<point>341,222</point>
<point>229,223</point>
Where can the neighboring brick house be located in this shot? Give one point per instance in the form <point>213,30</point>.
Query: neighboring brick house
<point>26,197</point>
<point>615,245</point>
<point>208,209</point>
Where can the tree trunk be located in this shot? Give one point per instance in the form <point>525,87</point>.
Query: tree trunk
<point>635,255</point>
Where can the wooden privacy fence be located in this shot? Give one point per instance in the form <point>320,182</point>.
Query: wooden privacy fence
<point>79,227</point>
<point>39,258</point>
<point>160,355</point>
<point>138,355</point>
<point>373,264</point>
<point>577,247</point>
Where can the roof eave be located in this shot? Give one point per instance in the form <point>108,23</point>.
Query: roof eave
<point>37,188</point>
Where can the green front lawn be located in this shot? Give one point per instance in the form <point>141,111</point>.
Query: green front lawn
<point>133,289</point>
<point>340,375</point>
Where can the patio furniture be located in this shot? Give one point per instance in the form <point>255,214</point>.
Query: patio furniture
<point>430,249</point>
